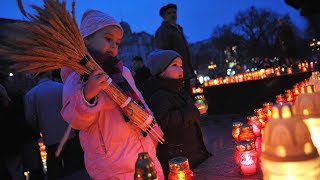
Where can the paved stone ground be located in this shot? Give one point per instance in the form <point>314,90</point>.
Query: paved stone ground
<point>218,139</point>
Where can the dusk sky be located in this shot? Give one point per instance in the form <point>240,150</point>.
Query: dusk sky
<point>197,17</point>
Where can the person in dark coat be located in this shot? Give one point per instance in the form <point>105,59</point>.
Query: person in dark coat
<point>174,110</point>
<point>14,132</point>
<point>142,73</point>
<point>170,36</point>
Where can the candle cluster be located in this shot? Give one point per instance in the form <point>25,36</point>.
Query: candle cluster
<point>259,74</point>
<point>269,134</point>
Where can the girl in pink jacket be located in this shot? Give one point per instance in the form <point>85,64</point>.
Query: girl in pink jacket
<point>110,142</point>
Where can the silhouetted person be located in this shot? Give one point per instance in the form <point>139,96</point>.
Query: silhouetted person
<point>310,10</point>
<point>239,69</point>
<point>42,109</point>
<point>287,42</point>
<point>12,132</point>
<point>142,73</point>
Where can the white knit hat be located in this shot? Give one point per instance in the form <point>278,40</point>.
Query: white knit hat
<point>94,20</point>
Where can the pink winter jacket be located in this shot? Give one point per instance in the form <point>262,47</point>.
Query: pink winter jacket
<point>110,144</point>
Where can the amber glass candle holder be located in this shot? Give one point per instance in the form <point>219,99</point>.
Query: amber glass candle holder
<point>280,99</point>
<point>262,117</point>
<point>246,133</point>
<point>236,130</point>
<point>295,90</point>
<point>289,96</point>
<point>256,125</point>
<point>180,169</point>
<point>267,108</point>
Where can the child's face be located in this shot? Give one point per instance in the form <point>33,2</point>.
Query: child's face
<point>174,70</point>
<point>106,40</point>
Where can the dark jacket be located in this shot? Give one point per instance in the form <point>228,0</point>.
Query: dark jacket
<point>177,116</point>
<point>141,75</point>
<point>171,37</point>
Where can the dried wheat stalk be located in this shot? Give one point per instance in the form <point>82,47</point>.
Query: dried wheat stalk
<point>52,40</point>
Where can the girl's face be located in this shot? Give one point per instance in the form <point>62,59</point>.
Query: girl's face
<point>174,70</point>
<point>106,40</point>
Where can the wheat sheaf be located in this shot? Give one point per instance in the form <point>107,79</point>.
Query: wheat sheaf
<point>51,40</point>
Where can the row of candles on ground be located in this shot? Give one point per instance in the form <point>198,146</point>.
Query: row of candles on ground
<point>289,143</point>
<point>247,138</point>
<point>259,74</point>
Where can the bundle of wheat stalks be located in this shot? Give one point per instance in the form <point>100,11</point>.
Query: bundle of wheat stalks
<point>53,41</point>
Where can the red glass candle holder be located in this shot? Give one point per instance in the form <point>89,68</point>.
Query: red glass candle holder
<point>236,130</point>
<point>246,157</point>
<point>256,125</point>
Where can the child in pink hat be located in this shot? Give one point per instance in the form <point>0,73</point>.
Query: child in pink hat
<point>111,143</point>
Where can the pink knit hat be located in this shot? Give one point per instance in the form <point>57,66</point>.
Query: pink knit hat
<point>94,20</point>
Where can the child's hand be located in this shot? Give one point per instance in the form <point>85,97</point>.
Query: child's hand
<point>96,82</point>
<point>201,107</point>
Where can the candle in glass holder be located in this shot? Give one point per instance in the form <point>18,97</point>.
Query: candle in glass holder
<point>304,67</point>
<point>240,148</point>
<point>289,96</point>
<point>256,125</point>
<point>307,108</point>
<point>202,101</point>
<point>278,71</point>
<point>295,90</point>
<point>280,99</point>
<point>267,106</point>
<point>262,117</point>
<point>180,169</point>
<point>287,151</point>
<point>236,130</point>
<point>144,167</point>
<point>311,65</point>
<point>289,70</point>
<point>246,157</point>
<point>246,133</point>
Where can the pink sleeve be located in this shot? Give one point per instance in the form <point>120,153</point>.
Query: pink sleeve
<point>76,107</point>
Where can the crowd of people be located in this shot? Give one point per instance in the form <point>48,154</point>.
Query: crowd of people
<point>101,140</point>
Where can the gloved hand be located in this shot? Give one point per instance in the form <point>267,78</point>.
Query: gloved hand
<point>97,81</point>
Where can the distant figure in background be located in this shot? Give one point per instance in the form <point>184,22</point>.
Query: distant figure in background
<point>42,110</point>
<point>170,36</point>
<point>142,73</point>
<point>265,63</point>
<point>176,112</point>
<point>287,41</point>
<point>239,69</point>
<point>287,63</point>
